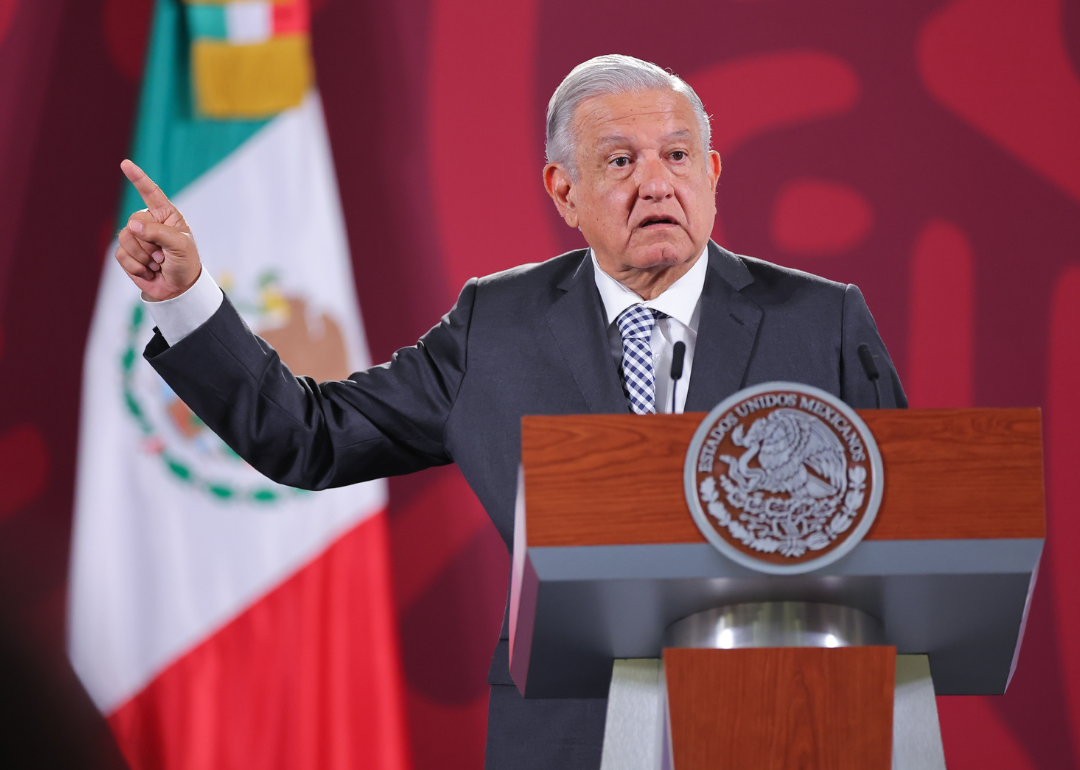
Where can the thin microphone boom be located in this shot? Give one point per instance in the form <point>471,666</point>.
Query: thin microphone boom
<point>678,352</point>
<point>872,373</point>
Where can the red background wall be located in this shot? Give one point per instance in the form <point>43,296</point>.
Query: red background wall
<point>927,150</point>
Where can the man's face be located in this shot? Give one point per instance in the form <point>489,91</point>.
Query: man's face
<point>644,197</point>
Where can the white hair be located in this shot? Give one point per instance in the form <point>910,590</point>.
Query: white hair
<point>604,76</point>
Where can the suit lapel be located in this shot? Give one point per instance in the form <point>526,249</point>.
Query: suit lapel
<point>727,329</point>
<point>576,321</point>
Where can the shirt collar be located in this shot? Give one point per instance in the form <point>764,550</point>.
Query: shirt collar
<point>679,300</point>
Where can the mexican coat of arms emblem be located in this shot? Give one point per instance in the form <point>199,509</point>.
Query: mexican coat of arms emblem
<point>783,478</point>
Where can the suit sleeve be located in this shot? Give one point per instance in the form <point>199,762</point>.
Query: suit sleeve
<point>856,388</point>
<point>385,421</point>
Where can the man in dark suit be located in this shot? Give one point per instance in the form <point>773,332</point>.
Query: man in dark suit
<point>629,166</point>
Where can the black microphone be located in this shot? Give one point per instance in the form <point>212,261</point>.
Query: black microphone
<point>677,355</point>
<point>872,373</point>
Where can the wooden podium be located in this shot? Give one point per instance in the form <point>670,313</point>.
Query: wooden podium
<point>607,558</point>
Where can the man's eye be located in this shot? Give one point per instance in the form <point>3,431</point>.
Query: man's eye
<point>620,162</point>
<point>678,155</point>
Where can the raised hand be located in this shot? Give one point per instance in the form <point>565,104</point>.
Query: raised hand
<point>156,248</point>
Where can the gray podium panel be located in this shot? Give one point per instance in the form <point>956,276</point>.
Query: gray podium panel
<point>961,602</point>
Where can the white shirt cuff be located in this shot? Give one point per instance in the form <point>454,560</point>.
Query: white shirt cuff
<point>178,317</point>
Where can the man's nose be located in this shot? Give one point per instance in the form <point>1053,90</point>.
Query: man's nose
<point>654,180</point>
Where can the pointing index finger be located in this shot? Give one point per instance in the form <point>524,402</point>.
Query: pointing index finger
<point>151,194</point>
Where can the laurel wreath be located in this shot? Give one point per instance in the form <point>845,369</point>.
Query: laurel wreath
<point>792,545</point>
<point>220,490</point>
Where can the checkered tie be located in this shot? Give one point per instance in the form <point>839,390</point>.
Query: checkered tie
<point>635,325</point>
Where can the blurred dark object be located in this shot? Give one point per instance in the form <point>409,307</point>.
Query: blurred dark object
<point>46,718</point>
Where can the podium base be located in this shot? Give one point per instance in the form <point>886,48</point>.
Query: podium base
<point>916,731</point>
<point>636,727</point>
<point>638,734</point>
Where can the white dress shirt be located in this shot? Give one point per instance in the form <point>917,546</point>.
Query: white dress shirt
<point>682,303</point>
<point>178,317</point>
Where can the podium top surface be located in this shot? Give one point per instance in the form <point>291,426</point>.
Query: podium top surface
<point>950,474</point>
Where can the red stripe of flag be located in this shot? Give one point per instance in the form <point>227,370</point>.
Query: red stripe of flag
<point>306,678</point>
<point>291,18</point>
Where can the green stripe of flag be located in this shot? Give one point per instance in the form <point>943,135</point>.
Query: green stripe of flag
<point>207,21</point>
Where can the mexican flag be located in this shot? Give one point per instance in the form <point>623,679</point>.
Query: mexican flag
<point>220,620</point>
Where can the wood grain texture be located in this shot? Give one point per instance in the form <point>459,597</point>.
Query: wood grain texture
<point>618,479</point>
<point>781,708</point>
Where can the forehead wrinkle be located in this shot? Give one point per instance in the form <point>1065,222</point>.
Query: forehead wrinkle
<point>599,118</point>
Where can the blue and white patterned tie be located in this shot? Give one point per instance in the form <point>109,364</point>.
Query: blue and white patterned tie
<point>639,383</point>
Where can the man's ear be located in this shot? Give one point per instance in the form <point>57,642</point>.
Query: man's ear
<point>713,163</point>
<point>560,186</point>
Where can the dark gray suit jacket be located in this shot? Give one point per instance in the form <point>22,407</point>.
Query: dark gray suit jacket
<point>530,340</point>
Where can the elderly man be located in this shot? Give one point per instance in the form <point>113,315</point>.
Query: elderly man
<point>593,330</point>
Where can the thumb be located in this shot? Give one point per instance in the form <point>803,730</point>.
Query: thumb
<point>171,239</point>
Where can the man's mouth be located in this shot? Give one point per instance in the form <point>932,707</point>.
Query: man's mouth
<point>658,220</point>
